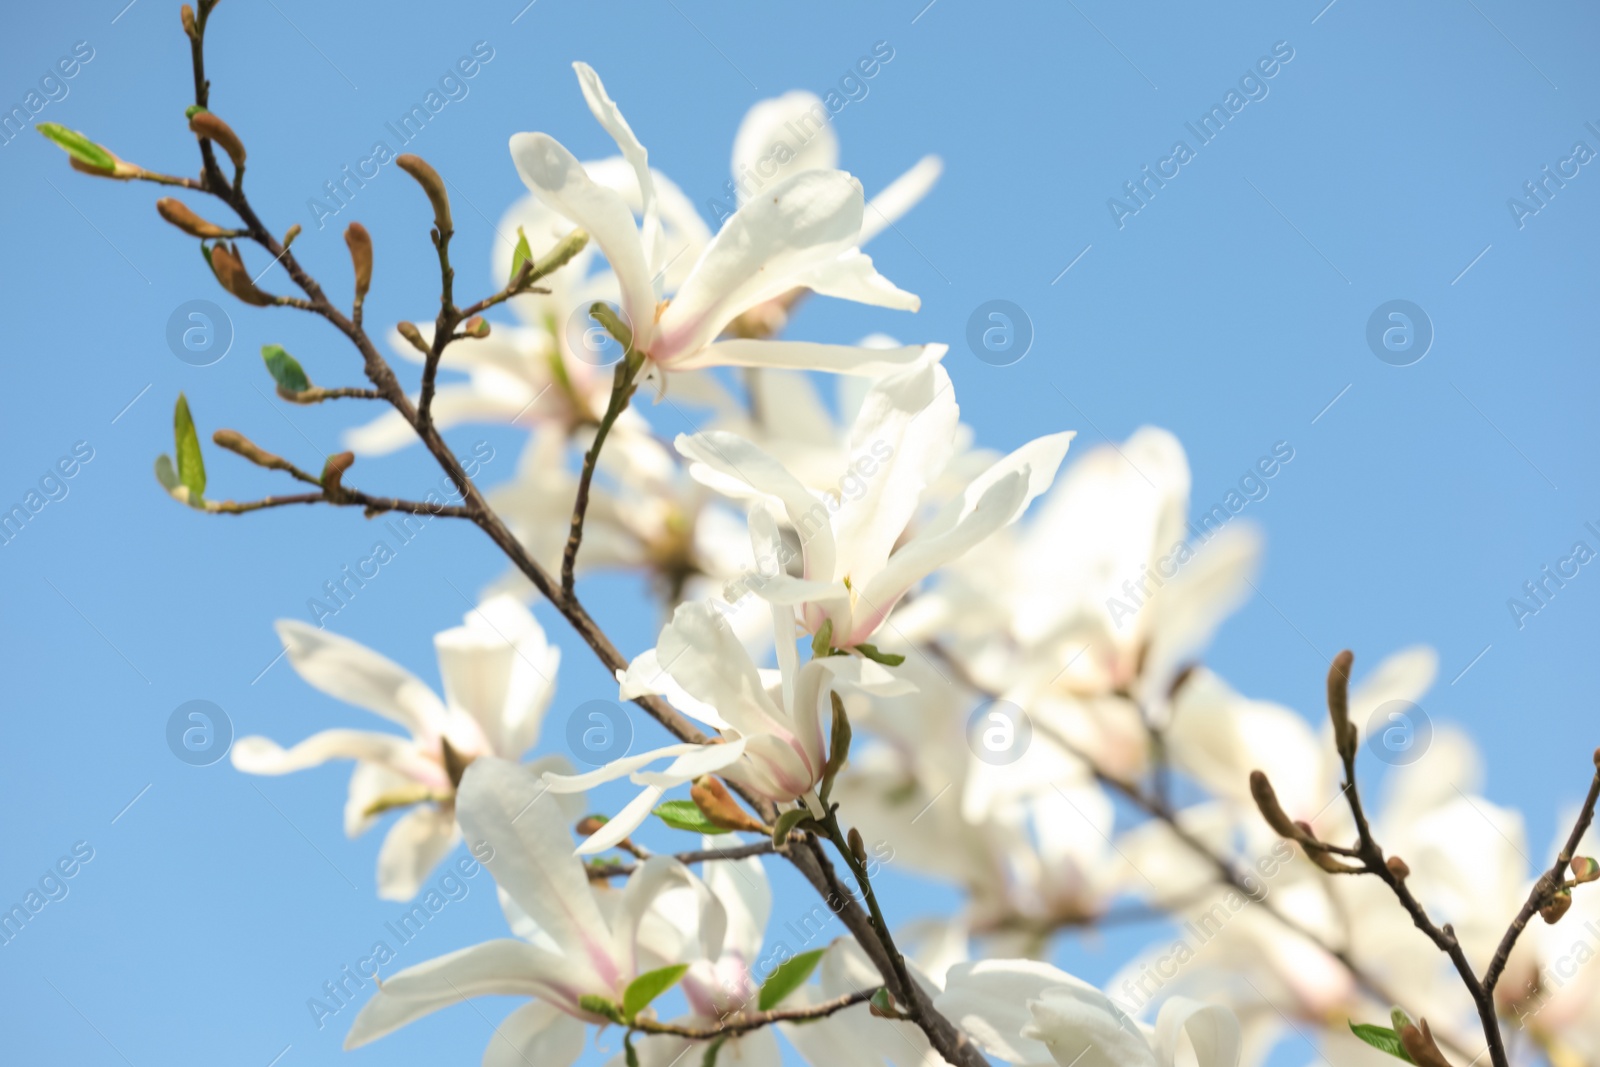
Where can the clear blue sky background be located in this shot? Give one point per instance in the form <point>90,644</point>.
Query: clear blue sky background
<point>1232,309</point>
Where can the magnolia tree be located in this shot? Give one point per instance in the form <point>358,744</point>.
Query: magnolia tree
<point>868,638</point>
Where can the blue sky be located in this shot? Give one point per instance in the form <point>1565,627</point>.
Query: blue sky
<point>1376,164</point>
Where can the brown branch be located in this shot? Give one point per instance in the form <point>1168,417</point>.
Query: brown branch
<point>743,1024</point>
<point>599,872</point>
<point>1547,886</point>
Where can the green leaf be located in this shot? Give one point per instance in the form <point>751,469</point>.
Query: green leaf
<point>166,473</point>
<point>838,746</point>
<point>888,659</point>
<point>285,369</point>
<point>597,1005</point>
<point>192,110</point>
<point>788,976</point>
<point>822,640</point>
<point>1381,1038</point>
<point>648,986</point>
<point>522,254</point>
<point>786,823</point>
<point>191,468</point>
<point>630,1055</point>
<point>78,146</point>
<point>710,1058</point>
<point>684,815</point>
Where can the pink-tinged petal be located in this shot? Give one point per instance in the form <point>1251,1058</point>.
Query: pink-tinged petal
<point>494,968</point>
<point>504,806</point>
<point>655,876</point>
<point>794,226</point>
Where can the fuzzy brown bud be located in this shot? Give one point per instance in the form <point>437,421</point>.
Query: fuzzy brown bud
<point>1267,803</point>
<point>229,269</point>
<point>1419,1045</point>
<point>1398,867</point>
<point>333,473</point>
<point>360,244</point>
<point>208,126</point>
<point>476,327</point>
<point>179,214</point>
<point>431,184</point>
<point>409,331</point>
<point>1344,732</point>
<point>719,807</point>
<point>186,14</point>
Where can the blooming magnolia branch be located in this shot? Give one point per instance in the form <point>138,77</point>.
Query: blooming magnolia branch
<point>1550,895</point>
<point>211,131</point>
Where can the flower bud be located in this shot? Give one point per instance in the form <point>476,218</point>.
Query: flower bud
<point>1267,803</point>
<point>290,235</point>
<point>1344,732</point>
<point>590,825</point>
<point>560,255</point>
<point>1398,867</point>
<point>1553,909</point>
<point>431,184</point>
<point>229,269</point>
<point>1419,1045</point>
<point>186,14</point>
<point>1584,869</point>
<point>360,245</point>
<point>207,126</point>
<point>179,214</point>
<point>475,327</point>
<point>719,807</point>
<point>839,746</point>
<point>239,444</point>
<point>409,331</point>
<point>333,475</point>
<point>858,847</point>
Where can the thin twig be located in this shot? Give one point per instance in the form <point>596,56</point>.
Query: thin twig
<point>743,1024</point>
<point>602,871</point>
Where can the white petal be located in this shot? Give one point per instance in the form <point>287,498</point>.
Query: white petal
<point>742,887</point>
<point>557,178</point>
<point>804,355</point>
<point>415,844</point>
<point>609,116</point>
<point>503,967</point>
<point>644,677</point>
<point>617,768</point>
<point>351,672</point>
<point>906,429</point>
<point>1080,1024</point>
<point>1213,1032</point>
<point>535,1033</point>
<point>702,653</point>
<point>504,805</point>
<point>692,765</point>
<point>786,134</point>
<point>800,223</point>
<point>988,999</point>
<point>623,823</point>
<point>656,876</point>
<point>745,471</point>
<point>261,755</point>
<point>853,277</point>
<point>901,195</point>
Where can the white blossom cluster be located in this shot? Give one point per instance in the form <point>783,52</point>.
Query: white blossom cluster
<point>862,549</point>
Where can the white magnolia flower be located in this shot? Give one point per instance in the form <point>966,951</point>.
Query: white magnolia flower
<point>577,939</point>
<point>499,675</point>
<point>857,561</point>
<point>801,233</point>
<point>1026,1012</point>
<point>771,728</point>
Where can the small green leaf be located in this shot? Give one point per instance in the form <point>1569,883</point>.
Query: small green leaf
<point>786,823</point>
<point>79,147</point>
<point>597,1005</point>
<point>522,254</point>
<point>710,1058</point>
<point>191,468</point>
<point>888,659</point>
<point>166,473</point>
<point>822,640</point>
<point>1381,1038</point>
<point>684,815</point>
<point>630,1055</point>
<point>648,986</point>
<point>788,976</point>
<point>192,110</point>
<point>838,746</point>
<point>285,369</point>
